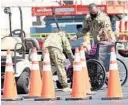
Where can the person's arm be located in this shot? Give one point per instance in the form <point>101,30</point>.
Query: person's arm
<point>69,36</point>
<point>67,48</point>
<point>84,30</point>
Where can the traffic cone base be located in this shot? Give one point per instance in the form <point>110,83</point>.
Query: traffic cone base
<point>11,99</point>
<point>87,98</point>
<point>30,97</point>
<point>114,98</point>
<point>47,99</point>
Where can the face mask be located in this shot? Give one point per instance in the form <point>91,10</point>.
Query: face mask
<point>80,29</point>
<point>93,15</point>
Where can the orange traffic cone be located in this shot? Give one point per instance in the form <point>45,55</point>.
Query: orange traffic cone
<point>77,88</point>
<point>114,90</point>
<point>9,89</point>
<point>86,83</point>
<point>35,77</point>
<point>123,38</point>
<point>48,91</point>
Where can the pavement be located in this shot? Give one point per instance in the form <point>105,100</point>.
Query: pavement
<point>96,98</point>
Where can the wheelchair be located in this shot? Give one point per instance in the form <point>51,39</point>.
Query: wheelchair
<point>98,67</point>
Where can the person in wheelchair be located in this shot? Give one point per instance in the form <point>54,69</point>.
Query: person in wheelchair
<point>98,58</point>
<point>105,37</point>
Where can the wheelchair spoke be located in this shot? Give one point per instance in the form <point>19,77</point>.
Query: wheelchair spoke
<point>122,71</point>
<point>96,74</point>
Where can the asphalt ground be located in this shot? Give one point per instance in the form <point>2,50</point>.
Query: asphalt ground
<point>96,98</point>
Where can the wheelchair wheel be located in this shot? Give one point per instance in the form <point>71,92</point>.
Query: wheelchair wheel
<point>123,72</point>
<point>97,74</point>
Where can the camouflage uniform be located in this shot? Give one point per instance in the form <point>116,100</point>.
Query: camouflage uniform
<point>58,43</point>
<point>68,35</point>
<point>95,25</point>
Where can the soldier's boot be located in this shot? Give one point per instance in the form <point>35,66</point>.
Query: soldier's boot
<point>67,89</point>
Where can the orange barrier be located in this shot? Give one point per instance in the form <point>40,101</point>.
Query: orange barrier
<point>78,92</point>
<point>122,30</point>
<point>114,90</point>
<point>123,38</point>
<point>122,27</point>
<point>9,89</point>
<point>48,91</point>
<point>86,83</point>
<point>35,77</point>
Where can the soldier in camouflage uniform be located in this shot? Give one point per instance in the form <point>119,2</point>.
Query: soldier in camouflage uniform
<point>58,43</point>
<point>94,22</point>
<point>67,35</point>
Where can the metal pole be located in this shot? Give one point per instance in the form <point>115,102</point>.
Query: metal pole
<point>53,13</point>
<point>10,23</point>
<point>21,18</point>
<point>21,21</point>
<point>7,10</point>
